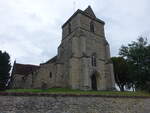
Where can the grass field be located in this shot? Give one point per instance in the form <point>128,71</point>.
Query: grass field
<point>70,91</point>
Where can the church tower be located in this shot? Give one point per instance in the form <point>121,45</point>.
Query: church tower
<point>83,60</point>
<point>84,54</point>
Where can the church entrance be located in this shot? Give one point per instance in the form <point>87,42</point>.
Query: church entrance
<point>93,82</point>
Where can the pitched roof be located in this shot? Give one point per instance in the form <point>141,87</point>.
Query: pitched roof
<point>24,69</point>
<point>89,11</point>
<point>52,60</point>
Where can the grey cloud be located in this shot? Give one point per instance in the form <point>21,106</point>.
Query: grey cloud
<point>31,30</point>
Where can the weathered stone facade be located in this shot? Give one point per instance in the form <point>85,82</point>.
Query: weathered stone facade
<point>83,60</point>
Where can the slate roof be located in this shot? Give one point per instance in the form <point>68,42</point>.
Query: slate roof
<point>24,69</point>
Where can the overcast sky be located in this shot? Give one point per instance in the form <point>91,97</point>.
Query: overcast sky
<point>30,30</point>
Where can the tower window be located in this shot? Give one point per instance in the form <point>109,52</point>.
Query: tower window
<point>93,59</point>
<point>69,28</point>
<point>50,75</point>
<point>92,26</point>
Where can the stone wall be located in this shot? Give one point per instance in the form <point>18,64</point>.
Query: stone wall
<point>46,76</point>
<point>51,103</point>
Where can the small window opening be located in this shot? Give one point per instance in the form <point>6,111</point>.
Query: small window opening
<point>62,76</point>
<point>50,75</point>
<point>92,26</point>
<point>93,60</point>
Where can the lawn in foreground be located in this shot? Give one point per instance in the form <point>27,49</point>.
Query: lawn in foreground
<point>71,91</point>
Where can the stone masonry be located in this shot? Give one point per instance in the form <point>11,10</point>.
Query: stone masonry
<point>73,104</point>
<point>83,59</point>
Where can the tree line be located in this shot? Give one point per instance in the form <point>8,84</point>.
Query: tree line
<point>5,67</point>
<point>132,66</point>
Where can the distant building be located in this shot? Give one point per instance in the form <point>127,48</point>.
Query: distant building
<point>83,60</point>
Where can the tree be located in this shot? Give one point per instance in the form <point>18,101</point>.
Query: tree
<point>121,72</point>
<point>5,67</point>
<point>138,55</point>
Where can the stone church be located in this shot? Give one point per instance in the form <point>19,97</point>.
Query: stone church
<point>83,59</point>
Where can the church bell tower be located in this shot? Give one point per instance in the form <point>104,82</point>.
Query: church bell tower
<point>84,52</point>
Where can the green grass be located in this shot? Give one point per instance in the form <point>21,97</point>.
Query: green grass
<point>70,91</point>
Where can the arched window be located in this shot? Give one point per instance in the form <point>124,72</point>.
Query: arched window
<point>69,28</point>
<point>92,26</point>
<point>93,59</point>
